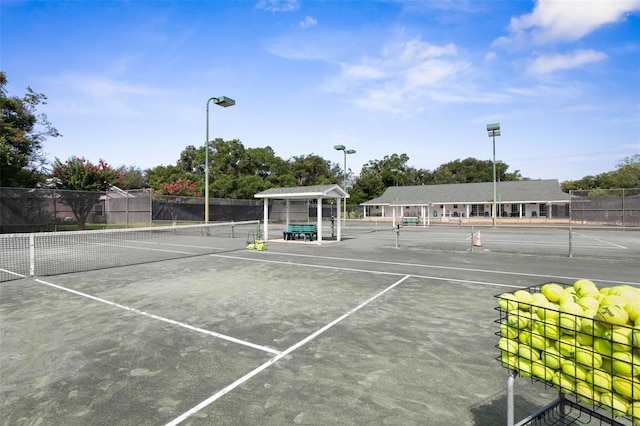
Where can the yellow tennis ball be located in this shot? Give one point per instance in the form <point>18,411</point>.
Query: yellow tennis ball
<point>585,287</point>
<point>574,370</point>
<point>612,314</point>
<point>614,403</point>
<point>625,364</point>
<point>565,383</point>
<point>602,380</point>
<point>552,358</point>
<point>552,291</point>
<point>586,393</point>
<point>508,302</point>
<point>524,298</point>
<point>541,371</point>
<point>620,337</point>
<point>587,357</point>
<point>627,386</point>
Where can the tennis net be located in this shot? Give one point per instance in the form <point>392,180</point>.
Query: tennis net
<point>54,253</point>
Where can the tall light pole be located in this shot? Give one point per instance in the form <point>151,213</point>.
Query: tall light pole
<point>344,176</point>
<point>494,130</point>
<point>396,171</point>
<point>223,101</point>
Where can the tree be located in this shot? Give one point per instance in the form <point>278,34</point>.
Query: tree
<point>181,187</point>
<point>22,133</point>
<point>627,175</point>
<point>314,170</point>
<point>132,178</point>
<point>85,183</point>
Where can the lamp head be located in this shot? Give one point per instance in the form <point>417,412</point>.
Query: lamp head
<point>350,151</point>
<point>339,147</point>
<point>493,127</point>
<point>224,101</point>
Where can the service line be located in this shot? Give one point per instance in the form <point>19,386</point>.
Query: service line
<point>159,318</point>
<point>278,357</point>
<point>420,265</point>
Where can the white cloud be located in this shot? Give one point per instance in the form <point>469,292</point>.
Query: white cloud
<point>575,59</point>
<point>560,20</point>
<point>278,5</point>
<point>308,21</point>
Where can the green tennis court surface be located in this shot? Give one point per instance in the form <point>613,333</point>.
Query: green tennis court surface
<point>351,332</point>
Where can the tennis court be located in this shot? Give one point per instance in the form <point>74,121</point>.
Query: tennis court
<point>380,328</point>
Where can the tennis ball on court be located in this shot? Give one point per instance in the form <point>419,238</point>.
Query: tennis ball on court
<point>621,338</point>
<point>508,345</point>
<point>508,302</point>
<point>542,371</point>
<point>627,386</point>
<point>507,331</point>
<point>584,287</point>
<point>551,358</point>
<point>601,380</point>
<point>614,403</point>
<point>625,364</point>
<point>564,382</point>
<point>586,393</point>
<point>528,352</point>
<point>587,357</point>
<point>524,298</point>
<point>552,291</point>
<point>612,314</point>
<point>574,369</point>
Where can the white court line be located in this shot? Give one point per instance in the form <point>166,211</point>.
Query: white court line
<point>275,359</point>
<point>417,265</point>
<point>12,273</point>
<point>163,319</point>
<point>600,241</point>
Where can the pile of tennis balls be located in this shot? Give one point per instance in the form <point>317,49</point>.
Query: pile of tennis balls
<point>582,339</point>
<point>259,245</point>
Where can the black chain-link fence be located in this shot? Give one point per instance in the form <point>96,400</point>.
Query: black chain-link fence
<point>606,207</point>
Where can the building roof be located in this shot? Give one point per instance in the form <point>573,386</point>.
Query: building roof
<point>304,192</point>
<point>526,191</point>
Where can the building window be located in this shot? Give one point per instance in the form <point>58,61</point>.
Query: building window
<point>455,206</point>
<point>98,210</point>
<point>543,210</point>
<point>477,210</point>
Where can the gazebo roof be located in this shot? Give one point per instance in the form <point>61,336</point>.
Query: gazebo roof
<point>304,192</point>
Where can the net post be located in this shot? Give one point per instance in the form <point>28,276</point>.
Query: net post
<point>32,255</point>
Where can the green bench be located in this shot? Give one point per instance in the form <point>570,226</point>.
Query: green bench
<point>305,230</point>
<point>410,220</point>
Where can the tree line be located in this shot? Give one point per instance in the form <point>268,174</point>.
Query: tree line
<point>235,171</point>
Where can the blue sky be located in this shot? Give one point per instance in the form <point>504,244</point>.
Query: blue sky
<point>128,81</point>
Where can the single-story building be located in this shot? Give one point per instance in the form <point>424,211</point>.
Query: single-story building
<point>516,199</point>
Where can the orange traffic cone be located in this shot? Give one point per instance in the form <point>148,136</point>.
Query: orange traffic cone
<point>477,240</point>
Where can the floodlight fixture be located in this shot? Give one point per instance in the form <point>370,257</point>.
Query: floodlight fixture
<point>223,101</point>
<point>339,147</point>
<point>493,127</point>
